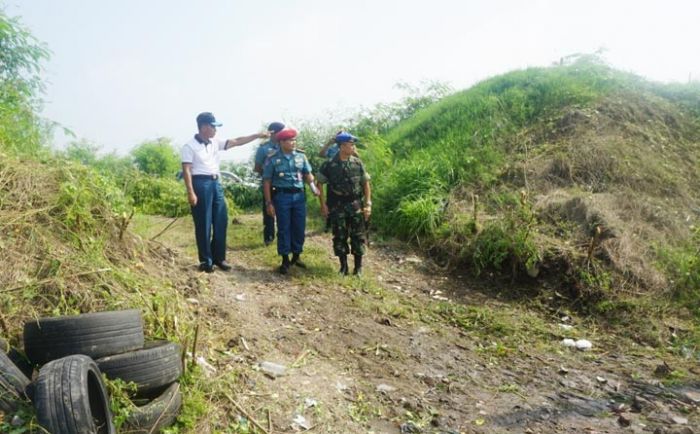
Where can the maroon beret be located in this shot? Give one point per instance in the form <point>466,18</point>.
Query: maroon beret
<point>286,134</point>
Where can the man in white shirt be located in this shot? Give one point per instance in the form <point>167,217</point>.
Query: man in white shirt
<point>200,168</point>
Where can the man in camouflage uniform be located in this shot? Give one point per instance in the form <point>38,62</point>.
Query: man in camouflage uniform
<point>349,201</point>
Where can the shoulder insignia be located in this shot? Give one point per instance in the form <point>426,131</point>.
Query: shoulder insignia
<point>271,152</point>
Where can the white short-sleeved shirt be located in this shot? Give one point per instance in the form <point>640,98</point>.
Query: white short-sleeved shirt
<point>203,157</point>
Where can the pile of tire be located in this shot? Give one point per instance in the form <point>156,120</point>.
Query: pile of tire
<point>73,352</point>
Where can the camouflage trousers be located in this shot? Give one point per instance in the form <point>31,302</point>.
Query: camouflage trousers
<point>347,221</point>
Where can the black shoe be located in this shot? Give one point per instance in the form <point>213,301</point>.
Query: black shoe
<point>343,265</point>
<point>206,268</point>
<point>225,266</point>
<point>268,242</point>
<point>284,268</point>
<point>296,261</point>
<point>357,271</point>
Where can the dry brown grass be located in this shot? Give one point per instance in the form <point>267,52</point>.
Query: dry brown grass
<point>63,252</point>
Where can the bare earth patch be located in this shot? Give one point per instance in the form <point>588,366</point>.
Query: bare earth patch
<point>380,355</point>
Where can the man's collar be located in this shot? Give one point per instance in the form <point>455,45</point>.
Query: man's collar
<point>199,139</point>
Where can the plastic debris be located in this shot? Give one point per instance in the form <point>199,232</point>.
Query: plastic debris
<point>208,369</point>
<point>341,387</point>
<point>301,422</point>
<point>679,420</point>
<point>273,370</point>
<point>583,345</point>
<point>568,343</point>
<point>385,388</point>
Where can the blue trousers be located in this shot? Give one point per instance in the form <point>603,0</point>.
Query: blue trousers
<point>210,217</point>
<point>268,224</point>
<point>290,209</point>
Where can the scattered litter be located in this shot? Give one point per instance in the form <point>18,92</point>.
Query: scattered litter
<point>310,402</point>
<point>566,327</point>
<point>583,345</point>
<point>17,421</point>
<point>273,370</point>
<point>601,380</point>
<point>678,420</point>
<point>409,428</point>
<point>563,370</point>
<point>341,387</point>
<point>301,421</point>
<point>192,301</point>
<point>437,295</point>
<point>568,343</point>
<point>209,370</point>
<point>240,297</point>
<point>413,260</point>
<point>565,319</point>
<point>385,388</point>
<point>693,396</point>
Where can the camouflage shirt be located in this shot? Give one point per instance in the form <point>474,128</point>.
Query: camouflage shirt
<point>345,179</point>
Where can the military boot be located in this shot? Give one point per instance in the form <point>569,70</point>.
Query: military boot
<point>358,265</point>
<point>343,265</point>
<point>297,261</point>
<point>284,268</point>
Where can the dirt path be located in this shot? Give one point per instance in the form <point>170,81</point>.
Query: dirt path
<point>384,354</point>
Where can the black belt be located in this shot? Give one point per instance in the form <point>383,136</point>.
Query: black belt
<point>342,197</point>
<point>214,177</point>
<point>286,190</point>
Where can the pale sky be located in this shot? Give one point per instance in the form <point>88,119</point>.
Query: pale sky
<point>126,71</point>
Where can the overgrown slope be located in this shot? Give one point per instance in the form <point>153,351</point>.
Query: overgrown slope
<point>578,173</point>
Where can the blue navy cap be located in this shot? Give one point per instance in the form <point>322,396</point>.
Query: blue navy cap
<point>344,136</point>
<point>206,118</point>
<point>275,127</point>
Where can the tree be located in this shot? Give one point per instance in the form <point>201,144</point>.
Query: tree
<point>83,151</point>
<point>20,85</point>
<point>157,158</point>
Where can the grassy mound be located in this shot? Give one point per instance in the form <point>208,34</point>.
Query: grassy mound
<point>577,172</point>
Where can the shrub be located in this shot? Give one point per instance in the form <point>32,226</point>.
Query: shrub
<point>508,238</point>
<point>157,157</point>
<point>683,265</point>
<point>161,196</point>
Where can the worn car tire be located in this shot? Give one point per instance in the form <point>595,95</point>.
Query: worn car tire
<point>157,414</point>
<point>92,334</point>
<point>70,397</point>
<point>152,368</point>
<point>19,359</point>
<point>13,385</point>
